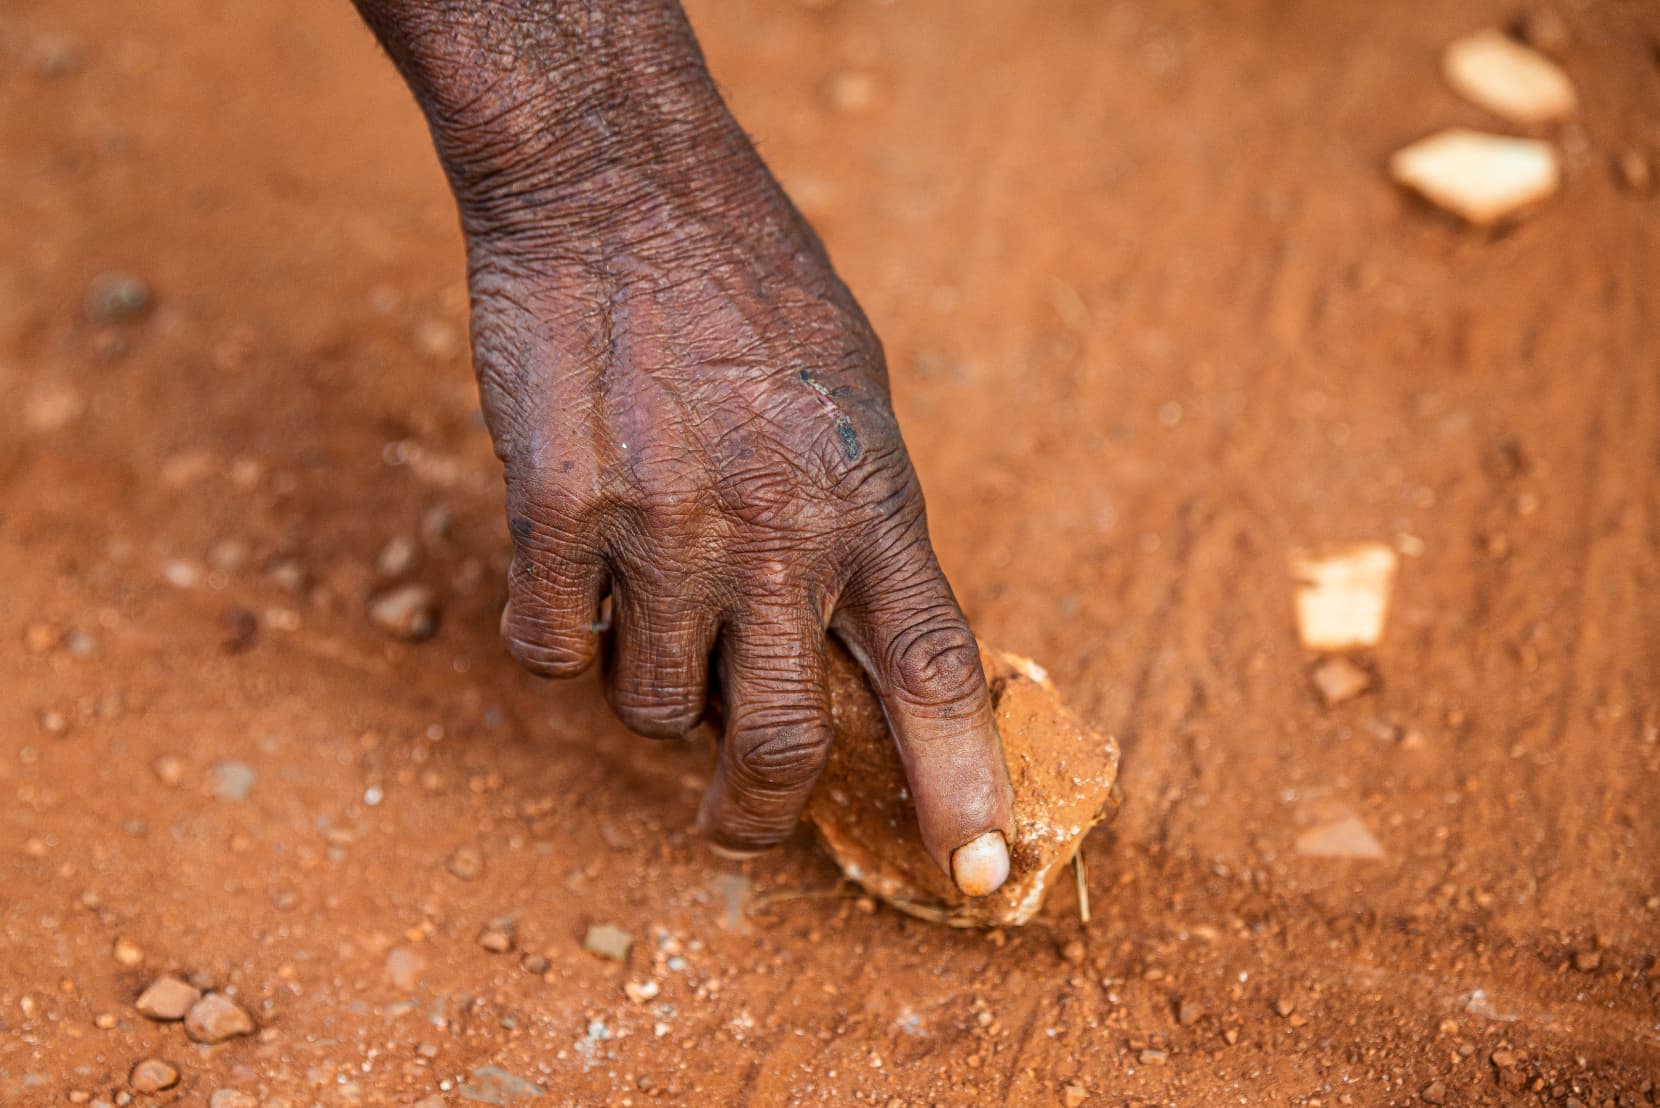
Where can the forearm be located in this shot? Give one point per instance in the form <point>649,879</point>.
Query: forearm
<point>592,111</point>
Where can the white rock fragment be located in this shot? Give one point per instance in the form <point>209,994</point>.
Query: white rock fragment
<point>1478,176</point>
<point>1495,72</point>
<point>1347,837</point>
<point>1343,595</point>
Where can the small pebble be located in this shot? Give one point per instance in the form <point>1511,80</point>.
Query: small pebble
<point>409,612</point>
<point>41,638</point>
<point>1074,1095</point>
<point>1543,29</point>
<point>289,575</point>
<point>641,991</point>
<point>608,941</point>
<point>1434,1093</point>
<point>437,522</point>
<point>1634,171</point>
<point>534,963</point>
<point>403,968</point>
<point>169,770</point>
<point>152,1075</point>
<point>466,863</point>
<point>437,340</point>
<point>167,999</point>
<point>851,91</point>
<point>1189,1012</point>
<point>56,56</point>
<point>238,629</point>
<point>1338,679</point>
<point>230,1098</point>
<point>1588,961</point>
<point>1074,952</point>
<point>497,940</point>
<point>127,952</point>
<point>116,297</point>
<point>400,556</point>
<point>232,780</point>
<point>215,1018</point>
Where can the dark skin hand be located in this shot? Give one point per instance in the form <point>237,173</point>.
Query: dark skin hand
<point>693,417</point>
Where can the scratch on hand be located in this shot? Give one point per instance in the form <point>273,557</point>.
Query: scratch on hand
<point>844,426</point>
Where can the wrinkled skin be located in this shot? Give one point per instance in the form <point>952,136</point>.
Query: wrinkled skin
<point>692,414</point>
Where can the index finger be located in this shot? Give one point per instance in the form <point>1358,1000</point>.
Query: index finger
<point>903,624</point>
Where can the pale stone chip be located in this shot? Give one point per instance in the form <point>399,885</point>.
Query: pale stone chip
<point>1495,72</point>
<point>1478,176</point>
<point>1343,596</point>
<point>1347,837</point>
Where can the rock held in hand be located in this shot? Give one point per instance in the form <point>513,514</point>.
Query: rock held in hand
<point>1062,771</point>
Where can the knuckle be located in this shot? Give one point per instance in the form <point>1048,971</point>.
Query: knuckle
<point>743,830</point>
<point>781,761</point>
<point>546,512</point>
<point>936,662</point>
<point>545,647</point>
<point>657,713</point>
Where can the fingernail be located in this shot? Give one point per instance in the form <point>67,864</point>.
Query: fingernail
<point>981,866</point>
<point>733,855</point>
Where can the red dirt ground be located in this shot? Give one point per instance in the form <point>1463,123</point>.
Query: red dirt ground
<point>1156,319</point>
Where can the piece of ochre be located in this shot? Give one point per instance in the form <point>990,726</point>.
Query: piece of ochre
<point>1064,775</point>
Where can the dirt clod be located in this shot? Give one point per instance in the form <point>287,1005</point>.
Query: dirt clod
<point>167,998</point>
<point>1073,1095</point>
<point>1063,775</point>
